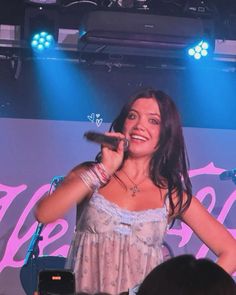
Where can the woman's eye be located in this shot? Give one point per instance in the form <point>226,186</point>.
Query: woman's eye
<point>131,116</point>
<point>154,121</point>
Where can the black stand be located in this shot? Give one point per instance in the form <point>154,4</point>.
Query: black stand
<point>28,271</point>
<point>33,249</point>
<point>33,264</point>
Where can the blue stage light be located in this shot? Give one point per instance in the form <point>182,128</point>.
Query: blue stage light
<point>197,55</point>
<point>205,45</point>
<point>199,50</point>
<point>191,51</point>
<point>204,52</point>
<point>42,41</point>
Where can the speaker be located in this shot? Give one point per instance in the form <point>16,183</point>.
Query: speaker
<point>119,31</point>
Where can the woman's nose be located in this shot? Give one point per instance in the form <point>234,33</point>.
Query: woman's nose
<point>140,124</point>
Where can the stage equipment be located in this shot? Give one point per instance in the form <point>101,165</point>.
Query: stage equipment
<point>60,282</point>
<point>42,41</point>
<point>141,34</point>
<point>200,50</point>
<point>44,2</point>
<point>201,8</point>
<point>40,26</point>
<point>126,4</point>
<point>33,263</point>
<point>29,273</point>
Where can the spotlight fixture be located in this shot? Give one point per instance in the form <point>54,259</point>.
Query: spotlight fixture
<point>41,27</point>
<point>42,41</point>
<point>199,50</point>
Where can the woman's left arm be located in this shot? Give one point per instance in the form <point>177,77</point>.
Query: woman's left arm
<point>212,233</point>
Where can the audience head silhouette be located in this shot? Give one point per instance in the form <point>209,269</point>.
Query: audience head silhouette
<point>185,275</point>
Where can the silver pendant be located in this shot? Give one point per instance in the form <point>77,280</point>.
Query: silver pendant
<point>134,189</point>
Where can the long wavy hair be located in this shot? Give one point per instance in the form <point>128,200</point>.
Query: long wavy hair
<point>169,164</point>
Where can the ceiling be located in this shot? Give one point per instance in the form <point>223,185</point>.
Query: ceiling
<point>222,11</point>
<point>219,114</point>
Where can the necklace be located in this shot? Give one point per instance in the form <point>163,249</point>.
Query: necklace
<point>135,188</point>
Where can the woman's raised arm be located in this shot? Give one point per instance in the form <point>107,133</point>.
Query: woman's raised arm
<point>70,192</point>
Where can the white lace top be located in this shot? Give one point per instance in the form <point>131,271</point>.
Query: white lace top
<point>114,249</point>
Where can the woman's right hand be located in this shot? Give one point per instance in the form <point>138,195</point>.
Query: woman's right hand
<point>112,159</point>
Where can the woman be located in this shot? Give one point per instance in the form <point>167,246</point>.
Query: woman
<point>129,197</point>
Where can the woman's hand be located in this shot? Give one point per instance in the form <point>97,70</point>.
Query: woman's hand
<point>112,159</point>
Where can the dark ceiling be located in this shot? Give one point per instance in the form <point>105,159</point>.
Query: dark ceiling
<point>222,11</point>
<point>21,89</point>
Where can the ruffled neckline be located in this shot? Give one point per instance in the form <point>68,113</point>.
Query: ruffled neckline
<point>115,206</point>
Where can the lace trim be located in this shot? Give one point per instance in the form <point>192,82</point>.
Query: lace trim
<point>126,216</point>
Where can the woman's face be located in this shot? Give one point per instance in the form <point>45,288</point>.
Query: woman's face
<point>142,127</point>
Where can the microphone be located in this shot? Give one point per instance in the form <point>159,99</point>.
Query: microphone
<point>228,174</point>
<point>108,141</point>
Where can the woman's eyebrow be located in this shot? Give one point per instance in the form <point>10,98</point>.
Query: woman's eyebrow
<point>152,114</point>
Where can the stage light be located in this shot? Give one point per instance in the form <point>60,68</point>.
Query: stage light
<point>42,41</point>
<point>199,50</point>
<point>191,51</point>
<point>41,28</point>
<point>205,45</point>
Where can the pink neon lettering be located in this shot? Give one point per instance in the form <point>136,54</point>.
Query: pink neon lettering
<point>16,239</point>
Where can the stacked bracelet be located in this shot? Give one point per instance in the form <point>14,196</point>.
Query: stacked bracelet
<point>101,173</point>
<point>95,177</point>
